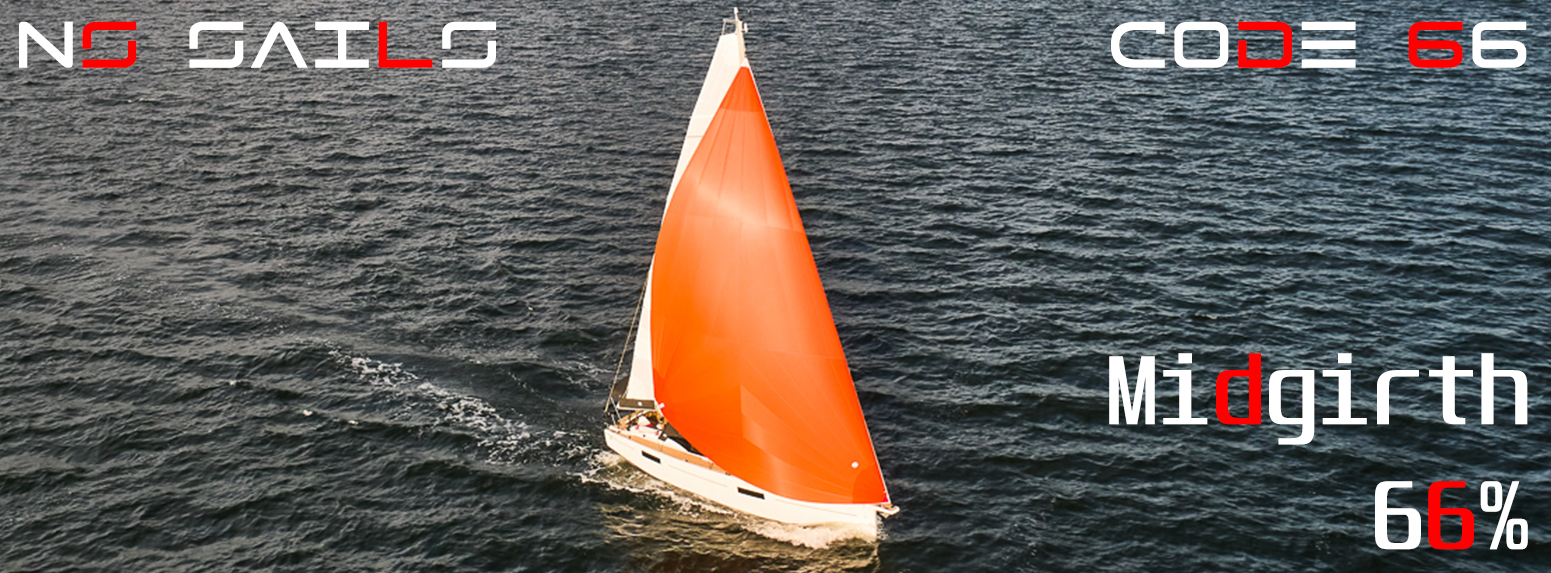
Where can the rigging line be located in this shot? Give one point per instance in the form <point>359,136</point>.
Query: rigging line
<point>621,365</point>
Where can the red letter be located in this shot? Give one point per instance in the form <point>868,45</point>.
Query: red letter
<point>1247,62</point>
<point>86,44</point>
<point>1253,374</point>
<point>382,52</point>
<point>1436,511</point>
<point>1416,45</point>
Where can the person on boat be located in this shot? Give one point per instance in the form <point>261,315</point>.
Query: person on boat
<point>644,422</point>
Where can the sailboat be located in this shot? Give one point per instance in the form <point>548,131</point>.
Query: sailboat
<point>738,389</point>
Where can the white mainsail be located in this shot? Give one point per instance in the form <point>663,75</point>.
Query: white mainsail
<point>724,67</point>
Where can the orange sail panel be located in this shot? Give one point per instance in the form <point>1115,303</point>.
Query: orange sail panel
<point>745,357</point>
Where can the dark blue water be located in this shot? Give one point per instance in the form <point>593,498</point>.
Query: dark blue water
<point>320,320</point>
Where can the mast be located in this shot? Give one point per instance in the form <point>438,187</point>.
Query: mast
<point>725,63</point>
<point>737,347</point>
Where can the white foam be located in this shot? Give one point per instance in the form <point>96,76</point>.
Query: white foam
<point>812,537</point>
<point>503,440</point>
<point>610,470</point>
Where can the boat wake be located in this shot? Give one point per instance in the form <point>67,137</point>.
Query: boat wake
<point>610,470</point>
<point>813,537</point>
<point>667,512</point>
<point>501,440</point>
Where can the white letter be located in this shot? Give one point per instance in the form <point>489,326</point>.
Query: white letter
<point>1179,45</point>
<point>284,33</point>
<point>1307,419</point>
<point>193,44</point>
<point>464,26</point>
<point>342,61</point>
<point>1384,390</point>
<point>1344,398</point>
<point>1448,374</point>
<point>1119,392</point>
<point>1184,395</point>
<point>1520,386</point>
<point>1328,44</point>
<point>1381,513</point>
<point>1114,44</point>
<point>25,30</point>
<point>1477,44</point>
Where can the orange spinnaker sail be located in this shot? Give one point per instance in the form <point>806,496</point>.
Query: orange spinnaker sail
<point>746,360</point>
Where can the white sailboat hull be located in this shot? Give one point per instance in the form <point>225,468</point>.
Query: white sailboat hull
<point>698,475</point>
<point>799,326</point>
